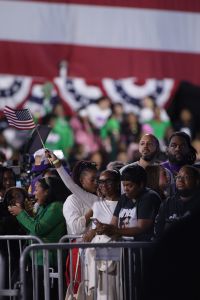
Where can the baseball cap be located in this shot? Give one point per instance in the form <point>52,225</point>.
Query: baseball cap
<point>41,163</point>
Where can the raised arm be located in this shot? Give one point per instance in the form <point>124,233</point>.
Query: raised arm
<point>86,197</point>
<point>51,218</point>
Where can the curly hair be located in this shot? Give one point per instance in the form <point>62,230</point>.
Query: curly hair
<point>191,157</point>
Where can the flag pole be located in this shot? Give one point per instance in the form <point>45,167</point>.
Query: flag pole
<point>36,128</point>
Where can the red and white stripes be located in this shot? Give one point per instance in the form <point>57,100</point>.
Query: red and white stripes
<point>100,39</point>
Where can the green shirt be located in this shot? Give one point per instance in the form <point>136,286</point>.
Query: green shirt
<point>49,225</point>
<point>159,128</point>
<point>61,137</point>
<point>112,126</point>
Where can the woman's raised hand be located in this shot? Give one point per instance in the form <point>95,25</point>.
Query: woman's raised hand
<point>52,158</point>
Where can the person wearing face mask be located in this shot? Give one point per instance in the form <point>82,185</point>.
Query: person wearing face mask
<point>181,205</point>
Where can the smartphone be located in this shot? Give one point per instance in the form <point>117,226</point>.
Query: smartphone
<point>94,220</point>
<point>18,184</point>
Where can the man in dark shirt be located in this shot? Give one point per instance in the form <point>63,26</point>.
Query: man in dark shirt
<point>172,270</point>
<point>183,204</point>
<point>134,216</point>
<point>180,152</point>
<point>136,210</point>
<point>149,150</point>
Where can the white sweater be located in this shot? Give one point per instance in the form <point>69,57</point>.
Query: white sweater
<point>74,212</point>
<point>81,200</point>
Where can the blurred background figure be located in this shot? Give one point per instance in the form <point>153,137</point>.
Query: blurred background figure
<point>61,136</point>
<point>99,112</point>
<point>2,158</point>
<point>186,123</point>
<point>160,180</point>
<point>39,164</point>
<point>117,164</point>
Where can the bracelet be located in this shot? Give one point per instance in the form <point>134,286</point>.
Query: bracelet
<point>55,161</point>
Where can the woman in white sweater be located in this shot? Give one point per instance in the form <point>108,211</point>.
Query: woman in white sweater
<point>103,206</point>
<point>104,203</point>
<point>77,213</point>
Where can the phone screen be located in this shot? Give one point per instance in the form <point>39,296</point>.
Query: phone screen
<point>18,183</point>
<point>94,220</point>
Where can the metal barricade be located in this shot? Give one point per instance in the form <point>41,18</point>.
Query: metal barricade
<point>67,238</point>
<point>2,269</point>
<point>121,253</point>
<point>11,289</point>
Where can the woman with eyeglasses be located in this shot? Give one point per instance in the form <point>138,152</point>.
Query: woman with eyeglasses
<point>181,205</point>
<point>103,205</point>
<point>48,224</point>
<point>107,189</point>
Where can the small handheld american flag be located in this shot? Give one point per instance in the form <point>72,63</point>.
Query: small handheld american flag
<point>19,118</point>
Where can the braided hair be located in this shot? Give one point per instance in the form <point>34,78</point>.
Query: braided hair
<point>80,168</point>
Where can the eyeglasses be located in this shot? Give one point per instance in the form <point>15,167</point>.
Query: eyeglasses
<point>105,181</point>
<point>184,178</point>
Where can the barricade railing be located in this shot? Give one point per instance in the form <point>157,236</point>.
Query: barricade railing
<point>11,289</point>
<point>2,269</point>
<point>67,238</point>
<point>104,252</point>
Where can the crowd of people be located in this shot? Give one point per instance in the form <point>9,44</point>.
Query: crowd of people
<point>141,196</point>
<point>101,132</point>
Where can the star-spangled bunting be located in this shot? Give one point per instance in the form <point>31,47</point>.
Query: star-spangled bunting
<point>19,118</point>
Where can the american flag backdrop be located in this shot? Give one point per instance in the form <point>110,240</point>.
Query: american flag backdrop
<point>126,49</point>
<point>101,38</point>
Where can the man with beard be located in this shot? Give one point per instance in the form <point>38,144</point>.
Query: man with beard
<point>180,152</point>
<point>183,204</point>
<point>149,149</point>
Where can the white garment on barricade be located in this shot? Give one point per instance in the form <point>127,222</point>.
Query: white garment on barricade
<point>107,273</point>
